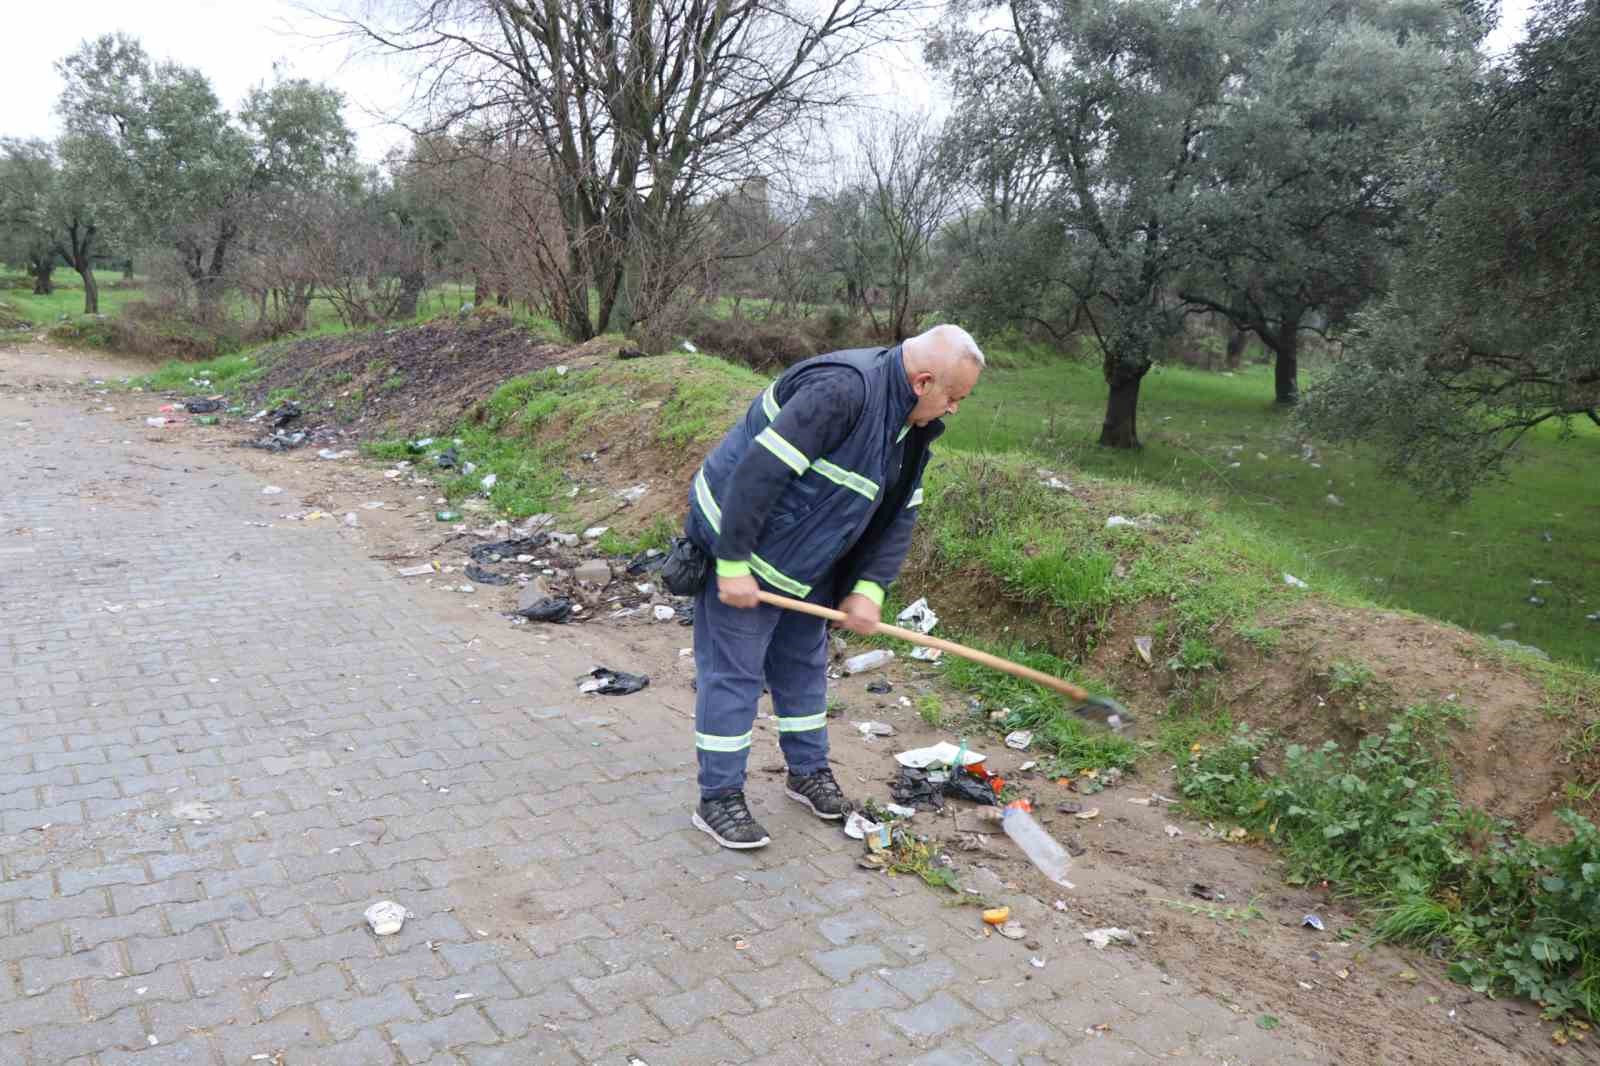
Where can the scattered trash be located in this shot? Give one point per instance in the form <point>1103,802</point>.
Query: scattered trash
<point>604,681</point>
<point>663,613</point>
<point>1537,601</point>
<point>875,729</point>
<point>927,655</point>
<point>689,347</point>
<point>1143,645</point>
<point>881,687</point>
<point>1333,501</point>
<point>1294,582</point>
<point>447,516</point>
<point>964,784</point>
<point>271,490</point>
<point>283,414</point>
<point>1117,520</point>
<point>474,572</point>
<point>568,540</point>
<point>1101,938</point>
<point>419,570</point>
<point>943,753</point>
<point>1056,483</point>
<point>997,916</point>
<point>386,917</point>
<point>1312,921</point>
<point>447,459</point>
<point>1036,962</point>
<point>160,420</point>
<point>899,811</point>
<point>195,811</point>
<point>1088,815</point>
<point>329,453</point>
<point>1012,930</point>
<point>858,826</point>
<point>869,660</point>
<point>1020,739</point>
<point>202,407</point>
<point>488,482</point>
<point>550,609</point>
<point>595,532</point>
<point>1036,843</point>
<point>633,494</point>
<point>1029,765</point>
<point>1174,832</point>
<point>919,616</point>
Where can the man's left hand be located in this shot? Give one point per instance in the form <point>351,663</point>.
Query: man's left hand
<point>860,614</point>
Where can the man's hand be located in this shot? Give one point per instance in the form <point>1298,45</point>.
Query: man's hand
<point>860,614</point>
<point>738,591</point>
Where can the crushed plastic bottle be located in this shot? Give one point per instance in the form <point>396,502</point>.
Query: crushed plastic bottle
<point>868,660</point>
<point>1039,846</point>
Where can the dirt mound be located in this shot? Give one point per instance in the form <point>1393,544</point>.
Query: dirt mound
<point>405,380</point>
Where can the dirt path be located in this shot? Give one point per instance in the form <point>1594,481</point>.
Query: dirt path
<point>175,637</point>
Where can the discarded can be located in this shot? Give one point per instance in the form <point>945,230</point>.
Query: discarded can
<point>448,516</point>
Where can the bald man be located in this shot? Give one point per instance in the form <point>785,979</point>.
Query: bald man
<point>813,495</point>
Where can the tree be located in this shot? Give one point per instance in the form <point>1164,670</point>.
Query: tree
<point>1491,328</point>
<point>640,109</point>
<point>1123,90</point>
<point>50,211</point>
<point>910,199</point>
<point>1299,214</point>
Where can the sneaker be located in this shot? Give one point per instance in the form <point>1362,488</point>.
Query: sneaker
<point>821,793</point>
<point>728,820</point>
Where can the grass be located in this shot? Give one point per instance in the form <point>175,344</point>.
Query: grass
<point>224,374</point>
<point>66,302</point>
<point>1472,565</point>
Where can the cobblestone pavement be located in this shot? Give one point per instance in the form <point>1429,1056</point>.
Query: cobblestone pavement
<point>220,741</point>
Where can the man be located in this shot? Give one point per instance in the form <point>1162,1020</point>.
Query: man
<point>812,495</point>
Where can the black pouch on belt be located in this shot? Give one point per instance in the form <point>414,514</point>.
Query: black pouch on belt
<point>686,568</point>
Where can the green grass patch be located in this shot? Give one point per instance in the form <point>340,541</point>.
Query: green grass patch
<point>1219,439</point>
<point>1381,823</point>
<point>224,374</point>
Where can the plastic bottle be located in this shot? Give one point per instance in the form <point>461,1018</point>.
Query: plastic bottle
<point>868,660</point>
<point>1040,847</point>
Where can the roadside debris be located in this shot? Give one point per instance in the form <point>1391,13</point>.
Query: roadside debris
<point>919,616</point>
<point>593,572</point>
<point>1101,938</point>
<point>283,414</point>
<point>1206,892</point>
<point>474,572</point>
<point>1012,930</point>
<point>1047,856</point>
<point>419,570</point>
<point>943,753</point>
<point>875,729</point>
<point>858,827</point>
<point>997,916</point>
<point>1116,521</point>
<point>1174,831</point>
<point>202,406</point>
<point>604,681</point>
<point>927,655</point>
<point>280,441</point>
<point>1294,582</point>
<point>1020,739</point>
<point>271,490</point>
<point>555,609</point>
<point>500,550</point>
<point>1312,921</point>
<point>663,613</point>
<point>386,917</point>
<point>879,687</point>
<point>869,660</point>
<point>1143,645</point>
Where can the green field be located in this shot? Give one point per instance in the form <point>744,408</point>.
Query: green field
<point>1472,565</point>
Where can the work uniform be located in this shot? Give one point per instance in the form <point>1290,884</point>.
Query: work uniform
<point>814,492</point>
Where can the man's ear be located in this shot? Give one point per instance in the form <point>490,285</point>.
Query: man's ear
<point>921,381</point>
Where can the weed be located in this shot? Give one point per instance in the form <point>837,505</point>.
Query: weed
<point>388,450</point>
<point>224,374</point>
<point>393,383</point>
<point>1349,677</point>
<point>930,710</point>
<point>342,377</point>
<point>1264,640</point>
<point>1196,654</point>
<point>657,535</point>
<point>281,396</point>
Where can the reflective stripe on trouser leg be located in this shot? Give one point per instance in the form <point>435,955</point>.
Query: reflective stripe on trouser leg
<point>730,647</point>
<point>797,671</point>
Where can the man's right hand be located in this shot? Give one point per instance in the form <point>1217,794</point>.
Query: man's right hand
<point>738,591</point>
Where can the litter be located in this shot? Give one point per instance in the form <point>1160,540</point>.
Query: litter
<point>160,420</point>
<point>604,681</point>
<point>386,917</point>
<point>875,729</point>
<point>488,481</point>
<point>550,609</point>
<point>858,826</point>
<point>868,660</point>
<point>663,613</point>
<point>927,655</point>
<point>283,414</point>
<point>1101,938</point>
<point>1049,857</point>
<point>1012,930</point>
<point>943,753</point>
<point>1117,520</point>
<point>499,550</point>
<point>202,407</point>
<point>569,540</point>
<point>447,459</point>
<point>1206,892</point>
<point>593,572</point>
<point>1088,815</point>
<point>1143,645</point>
<point>474,572</point>
<point>1029,765</point>
<point>633,494</point>
<point>1174,831</point>
<point>899,811</point>
<point>919,616</point>
<point>595,532</point>
<point>1057,484</point>
<point>329,453</point>
<point>197,811</point>
<point>1020,739</point>
<point>997,916</point>
<point>879,687</point>
<point>447,516</point>
<point>418,571</point>
<point>1294,582</point>
<point>271,490</point>
<point>1313,921</point>
<point>1036,962</point>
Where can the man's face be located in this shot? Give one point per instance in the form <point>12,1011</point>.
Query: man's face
<point>941,394</point>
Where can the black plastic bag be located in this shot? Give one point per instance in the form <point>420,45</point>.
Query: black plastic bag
<point>447,459</point>
<point>284,413</point>
<point>477,573</point>
<point>612,682</point>
<point>507,549</point>
<point>686,568</point>
<point>555,609</point>
<point>280,441</point>
<point>879,687</point>
<point>913,789</point>
<point>645,561</point>
<point>202,407</point>
<point>967,786</point>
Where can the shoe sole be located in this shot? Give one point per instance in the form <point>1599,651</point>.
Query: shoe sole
<point>792,794</point>
<point>737,845</point>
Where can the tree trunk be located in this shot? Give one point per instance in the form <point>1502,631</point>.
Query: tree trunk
<point>42,269</point>
<point>1121,428</point>
<point>480,290</point>
<point>410,290</point>
<point>127,269</point>
<point>91,289</point>
<point>1236,343</point>
<point>1286,371</point>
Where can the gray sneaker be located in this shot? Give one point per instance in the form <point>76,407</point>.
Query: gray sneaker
<point>728,820</point>
<point>821,793</point>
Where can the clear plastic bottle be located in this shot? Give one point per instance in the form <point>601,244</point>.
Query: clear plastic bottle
<point>1040,847</point>
<point>868,660</point>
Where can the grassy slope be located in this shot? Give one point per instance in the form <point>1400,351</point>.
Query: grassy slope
<point>1397,550</point>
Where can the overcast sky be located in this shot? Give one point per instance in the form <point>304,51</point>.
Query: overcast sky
<point>236,44</point>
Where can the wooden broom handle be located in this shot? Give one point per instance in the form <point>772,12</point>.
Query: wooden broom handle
<point>994,662</point>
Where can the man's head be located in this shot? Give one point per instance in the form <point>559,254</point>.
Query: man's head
<point>942,366</point>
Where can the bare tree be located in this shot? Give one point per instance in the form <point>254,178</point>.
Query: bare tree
<point>911,198</point>
<point>641,108</point>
